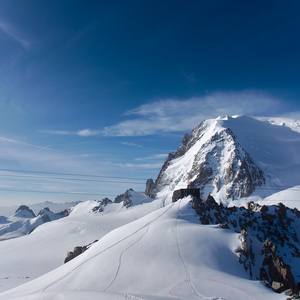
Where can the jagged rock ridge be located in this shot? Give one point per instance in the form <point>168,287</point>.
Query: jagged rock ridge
<point>269,239</point>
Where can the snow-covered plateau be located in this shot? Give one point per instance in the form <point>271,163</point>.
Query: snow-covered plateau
<point>148,248</point>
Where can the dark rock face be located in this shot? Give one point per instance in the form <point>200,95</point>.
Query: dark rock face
<point>149,188</point>
<point>159,182</point>
<point>274,271</point>
<point>183,146</point>
<point>119,198</point>
<point>269,235</point>
<point>126,199</point>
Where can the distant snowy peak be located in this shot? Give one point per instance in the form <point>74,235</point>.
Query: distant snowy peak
<point>229,157</point>
<point>24,212</point>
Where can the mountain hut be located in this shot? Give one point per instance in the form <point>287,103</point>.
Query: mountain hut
<point>178,194</point>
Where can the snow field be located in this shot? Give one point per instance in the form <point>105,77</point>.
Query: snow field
<point>166,253</point>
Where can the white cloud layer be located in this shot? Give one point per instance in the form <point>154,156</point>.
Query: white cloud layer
<point>173,115</point>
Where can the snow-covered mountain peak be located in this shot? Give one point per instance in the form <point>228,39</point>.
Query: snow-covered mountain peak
<point>24,212</point>
<point>232,157</point>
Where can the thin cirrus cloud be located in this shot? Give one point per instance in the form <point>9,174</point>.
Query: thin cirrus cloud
<point>14,33</point>
<point>139,166</point>
<point>131,144</point>
<point>83,132</point>
<point>153,157</point>
<point>173,115</point>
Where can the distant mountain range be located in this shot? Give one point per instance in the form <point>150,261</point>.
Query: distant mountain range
<point>55,207</point>
<point>24,221</point>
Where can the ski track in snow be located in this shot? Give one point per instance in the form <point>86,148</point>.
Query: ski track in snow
<point>113,245</point>
<point>185,269</point>
<point>121,255</point>
<point>189,277</point>
<point>134,243</point>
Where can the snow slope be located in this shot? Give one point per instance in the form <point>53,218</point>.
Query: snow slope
<point>45,249</point>
<point>166,254</point>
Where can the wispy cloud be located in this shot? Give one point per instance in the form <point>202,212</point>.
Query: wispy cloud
<point>139,166</point>
<point>153,157</point>
<point>173,115</point>
<point>88,132</point>
<point>82,132</point>
<point>12,141</point>
<point>59,132</point>
<point>14,33</point>
<point>131,144</point>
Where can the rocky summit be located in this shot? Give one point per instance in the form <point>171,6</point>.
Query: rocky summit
<point>232,158</point>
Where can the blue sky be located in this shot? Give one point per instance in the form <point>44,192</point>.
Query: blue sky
<point>108,88</point>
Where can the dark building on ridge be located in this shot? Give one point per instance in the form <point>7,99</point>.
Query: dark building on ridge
<point>178,194</point>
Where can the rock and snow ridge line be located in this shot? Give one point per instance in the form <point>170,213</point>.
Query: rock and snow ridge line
<point>233,158</point>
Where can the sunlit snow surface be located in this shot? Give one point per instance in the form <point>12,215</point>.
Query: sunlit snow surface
<point>165,254</point>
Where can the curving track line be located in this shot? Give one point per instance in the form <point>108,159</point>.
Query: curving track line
<point>188,276</point>
<point>121,255</point>
<point>133,244</point>
<point>184,267</point>
<point>106,249</point>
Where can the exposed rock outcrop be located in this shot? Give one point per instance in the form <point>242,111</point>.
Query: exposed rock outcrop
<point>101,204</point>
<point>119,198</point>
<point>261,258</point>
<point>77,251</point>
<point>126,199</point>
<point>275,272</point>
